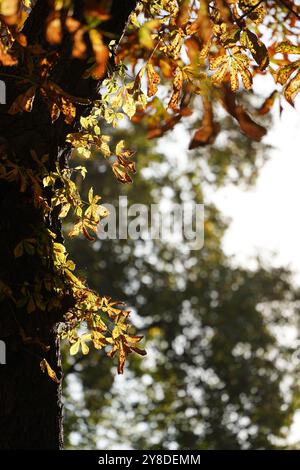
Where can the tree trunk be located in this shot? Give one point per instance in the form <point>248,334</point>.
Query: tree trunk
<point>30,403</point>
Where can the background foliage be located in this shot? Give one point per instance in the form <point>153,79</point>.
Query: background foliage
<point>217,374</point>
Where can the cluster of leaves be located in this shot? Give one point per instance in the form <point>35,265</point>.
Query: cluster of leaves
<point>66,196</point>
<point>196,50</point>
<point>106,320</point>
<point>193,48</point>
<point>172,54</point>
<point>56,191</point>
<point>208,50</point>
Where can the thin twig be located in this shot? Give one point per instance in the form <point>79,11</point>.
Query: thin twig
<point>250,10</point>
<point>290,8</point>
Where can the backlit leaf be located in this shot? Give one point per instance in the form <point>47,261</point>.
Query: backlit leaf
<point>45,366</point>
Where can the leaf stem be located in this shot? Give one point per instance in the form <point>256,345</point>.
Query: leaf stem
<point>10,75</point>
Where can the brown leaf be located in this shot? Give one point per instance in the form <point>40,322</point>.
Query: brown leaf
<point>45,366</point>
<point>92,8</point>
<point>192,45</point>
<point>256,47</point>
<point>120,173</point>
<point>101,55</point>
<point>21,39</point>
<point>23,102</point>
<point>183,13</point>
<point>6,58</point>
<point>177,87</point>
<point>60,101</point>
<point>68,109</point>
<point>268,103</point>
<point>79,46</point>
<point>87,234</point>
<point>165,68</point>
<point>72,24</point>
<point>46,64</point>
<point>202,25</point>
<point>54,28</point>
<point>54,111</point>
<point>251,128</point>
<point>160,130</point>
<point>208,131</point>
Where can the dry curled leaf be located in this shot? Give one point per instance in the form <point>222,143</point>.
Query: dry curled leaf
<point>209,129</point>
<point>268,103</point>
<point>251,128</point>
<point>45,366</point>
<point>101,53</point>
<point>93,9</point>
<point>177,87</point>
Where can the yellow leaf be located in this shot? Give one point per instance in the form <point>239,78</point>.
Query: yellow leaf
<point>116,332</point>
<point>91,195</point>
<point>218,61</point>
<point>219,76</point>
<point>246,78</point>
<point>45,366</point>
<point>153,80</point>
<point>75,348</point>
<point>101,54</point>
<point>145,33</point>
<point>120,147</point>
<point>283,74</point>
<point>9,7</point>
<point>64,210</point>
<point>292,89</point>
<point>84,347</point>
<point>234,79</point>
<point>76,230</point>
<point>287,47</point>
<point>129,106</point>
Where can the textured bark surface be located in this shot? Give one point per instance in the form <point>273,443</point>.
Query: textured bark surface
<point>30,403</point>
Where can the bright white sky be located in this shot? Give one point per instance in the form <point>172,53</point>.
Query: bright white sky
<point>266,219</point>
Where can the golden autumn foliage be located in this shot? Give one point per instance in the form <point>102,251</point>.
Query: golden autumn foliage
<point>175,57</point>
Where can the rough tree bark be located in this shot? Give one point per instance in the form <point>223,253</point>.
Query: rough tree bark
<point>30,403</point>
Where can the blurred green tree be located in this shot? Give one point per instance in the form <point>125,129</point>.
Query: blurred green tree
<point>218,374</point>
